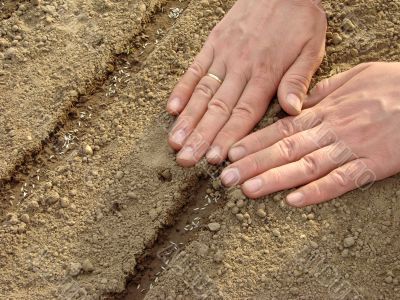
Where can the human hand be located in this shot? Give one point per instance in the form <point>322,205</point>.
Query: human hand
<point>348,137</point>
<point>259,48</point>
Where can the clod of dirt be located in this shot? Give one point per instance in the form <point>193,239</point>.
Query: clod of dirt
<point>236,195</point>
<point>52,197</point>
<point>13,219</point>
<point>75,268</point>
<point>87,266</point>
<point>64,202</point>
<point>336,38</point>
<point>165,175</point>
<point>349,242</point>
<point>219,256</point>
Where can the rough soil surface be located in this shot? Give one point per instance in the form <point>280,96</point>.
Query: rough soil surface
<point>92,201</point>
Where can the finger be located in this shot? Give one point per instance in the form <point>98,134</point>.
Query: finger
<point>270,135</point>
<point>310,167</point>
<point>196,107</point>
<point>186,85</point>
<point>350,176</point>
<point>246,114</point>
<point>296,81</point>
<point>327,86</point>
<point>218,112</point>
<point>284,152</point>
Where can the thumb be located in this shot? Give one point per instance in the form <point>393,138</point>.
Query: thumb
<point>295,83</point>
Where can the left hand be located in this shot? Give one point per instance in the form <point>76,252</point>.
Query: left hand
<point>348,137</point>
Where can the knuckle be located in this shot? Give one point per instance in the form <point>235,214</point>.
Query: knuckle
<point>285,127</point>
<point>244,111</point>
<point>298,80</point>
<point>311,165</point>
<point>204,89</point>
<point>322,85</point>
<point>315,189</point>
<point>254,163</point>
<point>275,176</point>
<point>340,178</point>
<point>197,69</point>
<point>219,107</point>
<point>287,148</point>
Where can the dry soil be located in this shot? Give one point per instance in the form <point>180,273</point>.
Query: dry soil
<point>92,203</point>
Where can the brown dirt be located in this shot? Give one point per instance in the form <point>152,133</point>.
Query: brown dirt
<point>91,196</point>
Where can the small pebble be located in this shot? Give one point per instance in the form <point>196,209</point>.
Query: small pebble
<point>276,232</point>
<point>240,217</point>
<point>235,210</point>
<point>336,39</point>
<point>119,175</point>
<point>142,7</point>
<point>87,266</point>
<point>214,226</point>
<point>64,202</point>
<point>345,252</point>
<point>311,216</point>
<point>388,279</point>
<point>88,150</point>
<point>132,195</point>
<point>25,218</point>
<point>240,203</point>
<point>166,175</point>
<point>348,25</point>
<point>261,213</point>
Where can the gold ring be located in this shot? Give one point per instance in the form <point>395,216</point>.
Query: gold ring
<point>215,77</point>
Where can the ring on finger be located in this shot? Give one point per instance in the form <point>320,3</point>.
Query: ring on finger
<point>215,77</point>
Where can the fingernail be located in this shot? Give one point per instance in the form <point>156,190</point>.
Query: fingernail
<point>174,105</point>
<point>214,155</point>
<point>237,153</point>
<point>186,154</point>
<point>179,137</point>
<point>230,177</point>
<point>295,199</point>
<point>294,102</point>
<point>253,185</point>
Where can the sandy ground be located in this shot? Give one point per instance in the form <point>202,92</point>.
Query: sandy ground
<point>93,204</point>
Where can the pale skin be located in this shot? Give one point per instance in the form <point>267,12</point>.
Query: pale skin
<point>344,138</point>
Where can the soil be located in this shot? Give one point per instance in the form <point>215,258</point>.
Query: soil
<point>93,204</point>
